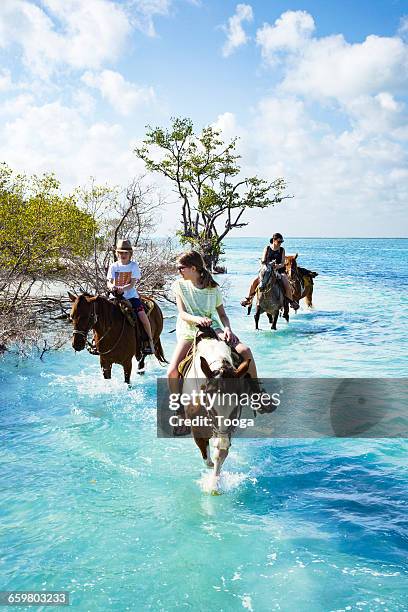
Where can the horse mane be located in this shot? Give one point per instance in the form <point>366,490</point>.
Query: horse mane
<point>206,332</point>
<point>219,350</point>
<point>106,310</point>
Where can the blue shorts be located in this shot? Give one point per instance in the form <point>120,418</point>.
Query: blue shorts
<point>137,304</point>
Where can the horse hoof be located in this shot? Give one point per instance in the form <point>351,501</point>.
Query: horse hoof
<point>208,463</point>
<point>141,372</point>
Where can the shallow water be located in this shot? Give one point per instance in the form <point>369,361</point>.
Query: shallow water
<point>93,503</point>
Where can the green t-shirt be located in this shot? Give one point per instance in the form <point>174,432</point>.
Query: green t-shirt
<point>198,302</point>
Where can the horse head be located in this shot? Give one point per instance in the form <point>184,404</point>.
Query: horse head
<point>291,265</point>
<point>265,276</point>
<point>83,316</point>
<point>225,369</point>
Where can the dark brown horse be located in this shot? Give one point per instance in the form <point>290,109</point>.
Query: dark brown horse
<point>301,280</point>
<point>116,341</point>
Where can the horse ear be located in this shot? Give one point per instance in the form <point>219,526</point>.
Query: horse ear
<point>206,368</point>
<point>71,296</point>
<point>242,369</point>
<point>296,256</point>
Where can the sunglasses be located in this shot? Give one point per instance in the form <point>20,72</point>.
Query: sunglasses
<point>180,268</point>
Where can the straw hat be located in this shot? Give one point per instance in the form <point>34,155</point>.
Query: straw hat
<point>124,246</point>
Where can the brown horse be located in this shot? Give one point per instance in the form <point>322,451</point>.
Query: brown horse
<point>301,280</point>
<point>116,341</point>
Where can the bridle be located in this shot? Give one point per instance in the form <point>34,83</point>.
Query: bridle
<point>92,320</point>
<point>91,347</point>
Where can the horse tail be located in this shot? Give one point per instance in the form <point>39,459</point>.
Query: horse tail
<point>159,352</point>
<point>308,273</point>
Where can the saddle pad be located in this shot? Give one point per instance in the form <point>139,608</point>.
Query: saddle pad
<point>126,309</point>
<point>148,304</point>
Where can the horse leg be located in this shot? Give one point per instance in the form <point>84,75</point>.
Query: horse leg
<point>286,310</point>
<point>204,446</point>
<point>106,369</point>
<point>274,320</point>
<point>256,316</point>
<point>221,448</point>
<point>141,365</point>
<point>127,368</point>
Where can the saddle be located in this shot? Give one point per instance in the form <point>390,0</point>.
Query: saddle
<point>186,363</point>
<point>126,308</point>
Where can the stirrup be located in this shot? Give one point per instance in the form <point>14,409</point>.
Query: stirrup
<point>148,350</point>
<point>295,305</point>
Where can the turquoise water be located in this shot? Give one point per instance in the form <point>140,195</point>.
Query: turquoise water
<point>93,503</point>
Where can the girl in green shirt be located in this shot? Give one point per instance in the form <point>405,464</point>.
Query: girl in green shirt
<point>199,302</point>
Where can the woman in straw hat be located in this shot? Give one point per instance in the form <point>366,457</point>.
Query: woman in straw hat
<point>122,278</point>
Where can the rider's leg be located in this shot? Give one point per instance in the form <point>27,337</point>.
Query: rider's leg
<point>179,353</point>
<point>246,354</point>
<point>252,290</point>
<point>146,324</point>
<point>142,316</point>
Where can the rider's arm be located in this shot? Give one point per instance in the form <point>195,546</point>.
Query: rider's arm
<point>264,255</point>
<point>281,267</point>
<point>223,316</point>
<point>225,321</point>
<point>110,281</point>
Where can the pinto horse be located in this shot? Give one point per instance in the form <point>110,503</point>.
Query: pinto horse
<point>212,364</point>
<point>116,341</point>
<point>301,280</point>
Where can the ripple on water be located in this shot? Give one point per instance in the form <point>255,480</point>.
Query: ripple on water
<point>96,504</point>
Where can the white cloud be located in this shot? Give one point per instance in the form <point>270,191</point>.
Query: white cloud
<point>143,12</point>
<point>289,33</point>
<point>58,138</point>
<point>76,33</point>
<point>236,35</point>
<point>403,27</point>
<point>330,67</point>
<point>124,96</point>
<point>5,80</point>
<point>380,114</point>
<point>348,183</point>
<point>351,180</point>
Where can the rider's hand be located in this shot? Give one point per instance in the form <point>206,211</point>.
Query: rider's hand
<point>228,335</point>
<point>205,321</point>
<point>119,290</point>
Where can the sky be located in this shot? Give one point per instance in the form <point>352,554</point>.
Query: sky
<point>316,91</point>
